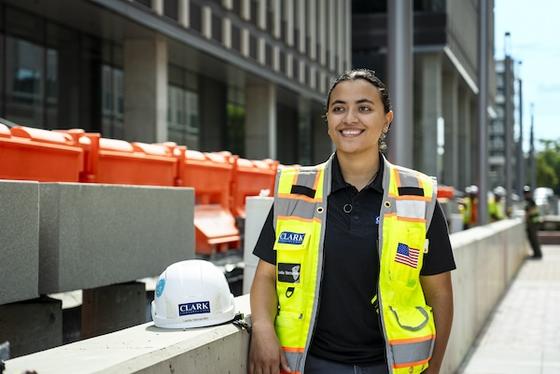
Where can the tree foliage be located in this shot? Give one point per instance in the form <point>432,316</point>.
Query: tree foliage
<point>548,165</point>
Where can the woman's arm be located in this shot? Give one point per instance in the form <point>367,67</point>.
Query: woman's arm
<point>439,295</point>
<point>265,354</point>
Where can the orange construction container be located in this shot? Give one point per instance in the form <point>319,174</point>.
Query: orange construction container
<point>445,192</point>
<point>251,178</point>
<point>40,155</point>
<point>114,161</point>
<point>210,174</point>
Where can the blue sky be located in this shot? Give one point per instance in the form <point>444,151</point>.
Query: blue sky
<point>535,40</point>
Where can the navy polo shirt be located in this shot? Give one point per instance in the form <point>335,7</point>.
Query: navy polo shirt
<point>348,327</point>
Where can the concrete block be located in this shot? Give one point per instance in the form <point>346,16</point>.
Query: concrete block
<point>256,210</point>
<point>93,235</point>
<point>111,308</point>
<point>19,240</point>
<point>31,326</point>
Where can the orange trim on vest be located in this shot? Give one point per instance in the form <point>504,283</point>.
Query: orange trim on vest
<point>300,197</point>
<point>293,349</point>
<point>409,219</point>
<point>409,364</point>
<point>410,197</point>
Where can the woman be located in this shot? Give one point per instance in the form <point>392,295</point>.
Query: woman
<point>355,262</point>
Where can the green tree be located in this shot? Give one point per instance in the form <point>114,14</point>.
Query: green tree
<point>548,165</point>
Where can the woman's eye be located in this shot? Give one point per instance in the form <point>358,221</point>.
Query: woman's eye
<point>365,108</point>
<point>338,109</point>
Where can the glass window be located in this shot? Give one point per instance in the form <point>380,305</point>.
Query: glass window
<point>24,82</point>
<point>235,131</point>
<point>183,116</point>
<point>171,9</point>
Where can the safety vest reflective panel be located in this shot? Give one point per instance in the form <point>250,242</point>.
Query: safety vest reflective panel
<point>300,209</point>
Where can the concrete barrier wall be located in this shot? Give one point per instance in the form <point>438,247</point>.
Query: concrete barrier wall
<point>19,241</point>
<point>94,235</point>
<point>487,259</point>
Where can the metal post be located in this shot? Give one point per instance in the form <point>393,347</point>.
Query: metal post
<point>520,155</point>
<point>508,124</point>
<point>532,164</point>
<point>483,112</point>
<point>399,60</point>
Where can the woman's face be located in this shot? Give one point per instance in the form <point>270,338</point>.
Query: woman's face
<point>356,117</point>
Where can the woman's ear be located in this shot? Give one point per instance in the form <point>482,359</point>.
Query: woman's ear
<point>388,119</point>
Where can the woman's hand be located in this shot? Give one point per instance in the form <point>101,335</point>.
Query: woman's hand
<point>265,354</point>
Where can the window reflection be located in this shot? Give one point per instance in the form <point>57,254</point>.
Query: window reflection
<point>24,82</point>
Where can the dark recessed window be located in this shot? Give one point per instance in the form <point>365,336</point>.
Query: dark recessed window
<point>254,12</point>
<point>284,31</point>
<point>237,7</point>
<point>195,16</point>
<point>282,57</point>
<point>270,21</point>
<point>171,9</point>
<point>216,28</point>
<point>296,38</point>
<point>268,55</point>
<point>235,38</point>
<point>253,46</point>
<point>295,64</point>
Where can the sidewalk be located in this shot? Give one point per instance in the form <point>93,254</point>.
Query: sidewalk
<point>523,334</point>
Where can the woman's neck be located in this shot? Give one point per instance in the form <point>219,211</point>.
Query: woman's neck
<point>358,170</point>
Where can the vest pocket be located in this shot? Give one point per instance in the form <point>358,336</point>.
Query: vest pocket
<point>411,335</point>
<point>289,328</point>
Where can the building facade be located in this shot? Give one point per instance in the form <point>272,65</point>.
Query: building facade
<point>445,86</point>
<point>249,76</point>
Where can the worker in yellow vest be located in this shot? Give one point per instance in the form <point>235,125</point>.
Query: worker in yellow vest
<point>355,258</point>
<point>496,206</point>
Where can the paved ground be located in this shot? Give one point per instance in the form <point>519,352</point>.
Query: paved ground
<point>523,335</point>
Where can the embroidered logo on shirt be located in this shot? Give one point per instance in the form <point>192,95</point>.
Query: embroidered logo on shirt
<point>407,256</point>
<point>287,237</point>
<point>289,273</point>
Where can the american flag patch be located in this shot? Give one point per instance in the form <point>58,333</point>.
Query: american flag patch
<point>407,256</point>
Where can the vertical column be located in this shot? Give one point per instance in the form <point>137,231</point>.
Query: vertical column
<point>520,156</point>
<point>184,12</point>
<point>322,32</point>
<point>260,125</point>
<point>465,131</point>
<point>508,127</point>
<point>348,41</point>
<point>312,28</point>
<point>301,18</point>
<point>289,19</point>
<point>145,89</point>
<point>400,82</point>
<point>340,27</point>
<point>305,140</point>
<point>226,32</point>
<point>157,6</point>
<point>332,34</point>
<point>277,29</point>
<point>483,112</point>
<point>451,116</point>
<point>261,16</point>
<point>207,22</point>
<point>428,98</point>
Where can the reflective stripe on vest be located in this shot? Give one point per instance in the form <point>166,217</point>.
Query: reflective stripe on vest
<point>300,207</point>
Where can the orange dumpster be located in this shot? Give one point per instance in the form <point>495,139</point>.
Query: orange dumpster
<point>40,155</point>
<point>210,174</point>
<point>114,161</point>
<point>251,178</point>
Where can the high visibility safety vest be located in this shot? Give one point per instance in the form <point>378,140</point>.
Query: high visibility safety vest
<point>300,210</point>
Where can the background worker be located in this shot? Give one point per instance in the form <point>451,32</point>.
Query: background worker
<point>355,258</point>
<point>532,222</point>
<point>496,207</point>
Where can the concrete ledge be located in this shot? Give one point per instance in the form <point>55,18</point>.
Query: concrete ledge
<point>93,235</point>
<point>19,240</point>
<point>487,259</point>
<point>147,349</point>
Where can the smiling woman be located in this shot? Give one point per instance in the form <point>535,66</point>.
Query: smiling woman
<point>355,258</point>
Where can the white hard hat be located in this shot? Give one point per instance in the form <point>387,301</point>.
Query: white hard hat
<point>500,191</point>
<point>192,293</point>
